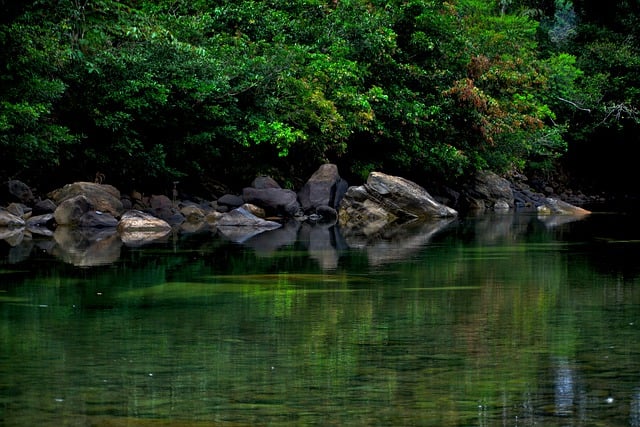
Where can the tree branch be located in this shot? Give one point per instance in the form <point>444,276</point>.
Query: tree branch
<point>588,110</point>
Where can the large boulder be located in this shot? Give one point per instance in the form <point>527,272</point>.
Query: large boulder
<point>103,198</point>
<point>488,191</point>
<point>324,188</point>
<point>275,201</point>
<point>70,210</point>
<point>387,199</point>
<point>19,192</point>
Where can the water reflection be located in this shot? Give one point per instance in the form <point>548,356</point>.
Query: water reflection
<point>564,388</point>
<point>476,322</point>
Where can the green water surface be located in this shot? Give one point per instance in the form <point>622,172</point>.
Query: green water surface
<point>492,321</point>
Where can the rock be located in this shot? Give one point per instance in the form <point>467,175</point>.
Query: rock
<point>262,182</point>
<point>488,191</point>
<point>387,199</point>
<point>255,210</point>
<point>324,188</point>
<point>138,228</point>
<point>9,220</point>
<point>17,209</point>
<point>71,209</point>
<point>104,198</point>
<point>552,206</point>
<point>162,207</point>
<point>193,214</point>
<point>135,220</point>
<point>41,221</point>
<point>45,206</point>
<point>275,201</point>
<point>97,219</point>
<point>231,201</point>
<point>19,191</point>
<point>240,217</point>
<point>13,236</point>
<point>213,217</point>
<point>240,225</point>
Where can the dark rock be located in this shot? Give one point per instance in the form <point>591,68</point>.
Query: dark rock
<point>275,201</point>
<point>262,182</point>
<point>44,220</point>
<point>488,191</point>
<point>324,188</point>
<point>97,219</point>
<point>20,192</point>
<point>44,207</point>
<point>230,201</point>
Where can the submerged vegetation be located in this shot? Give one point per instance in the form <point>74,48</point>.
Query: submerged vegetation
<point>153,92</point>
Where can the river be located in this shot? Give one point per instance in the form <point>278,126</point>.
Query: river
<point>495,319</point>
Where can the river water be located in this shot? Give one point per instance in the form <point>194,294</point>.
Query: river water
<point>491,320</point>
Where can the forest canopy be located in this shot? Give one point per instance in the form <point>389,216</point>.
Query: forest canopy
<point>151,92</point>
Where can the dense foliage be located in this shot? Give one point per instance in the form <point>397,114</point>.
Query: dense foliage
<point>153,92</point>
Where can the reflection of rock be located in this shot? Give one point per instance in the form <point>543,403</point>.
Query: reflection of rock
<point>267,243</point>
<point>490,228</point>
<point>194,227</point>
<point>13,236</point>
<point>324,243</point>
<point>9,220</point>
<point>386,200</point>
<point>86,247</point>
<point>398,242</point>
<point>21,249</point>
<point>557,220</point>
<point>141,237</point>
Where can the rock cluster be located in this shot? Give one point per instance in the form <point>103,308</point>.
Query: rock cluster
<point>382,205</point>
